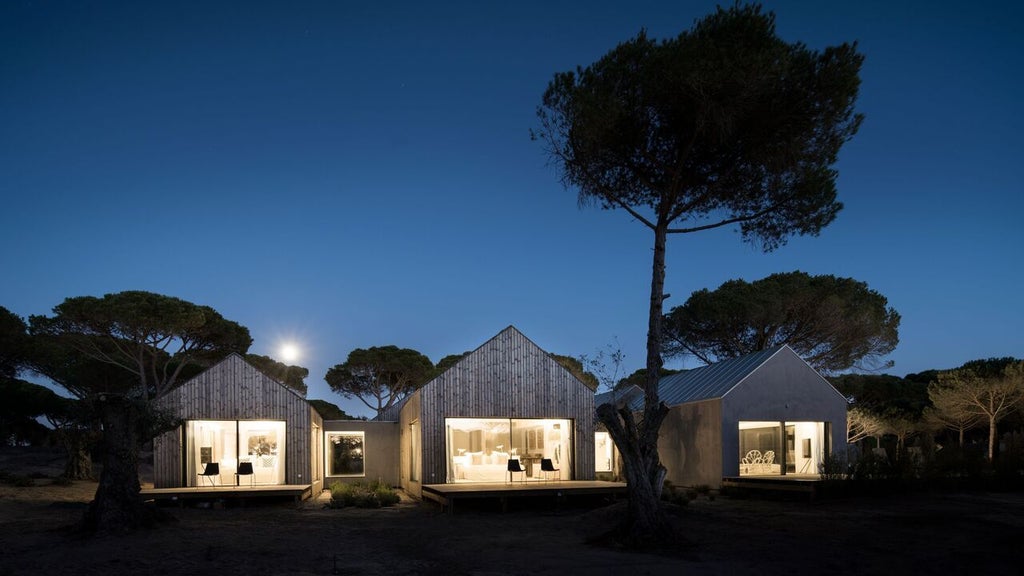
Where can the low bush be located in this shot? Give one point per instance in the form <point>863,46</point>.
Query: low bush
<point>832,468</point>
<point>363,495</point>
<point>674,495</point>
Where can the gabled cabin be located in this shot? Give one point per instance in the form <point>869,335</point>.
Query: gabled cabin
<point>508,399</point>
<point>244,421</point>
<point>764,414</point>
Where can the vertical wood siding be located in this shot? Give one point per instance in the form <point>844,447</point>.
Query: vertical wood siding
<point>235,390</point>
<point>507,377</point>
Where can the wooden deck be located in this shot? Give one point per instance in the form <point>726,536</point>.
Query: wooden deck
<point>447,494</point>
<point>806,484</point>
<point>298,492</point>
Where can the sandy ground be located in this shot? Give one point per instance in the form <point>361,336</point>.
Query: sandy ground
<point>978,533</point>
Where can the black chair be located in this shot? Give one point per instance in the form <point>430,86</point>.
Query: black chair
<point>211,471</point>
<point>548,467</point>
<point>513,467</point>
<point>244,469</point>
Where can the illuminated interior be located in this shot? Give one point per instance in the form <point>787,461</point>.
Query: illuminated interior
<point>479,449</point>
<point>230,442</point>
<point>761,448</point>
<point>346,454</point>
<point>603,452</point>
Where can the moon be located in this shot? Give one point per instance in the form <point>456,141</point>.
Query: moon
<point>289,352</point>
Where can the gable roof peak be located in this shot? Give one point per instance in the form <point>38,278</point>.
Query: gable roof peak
<point>714,380</point>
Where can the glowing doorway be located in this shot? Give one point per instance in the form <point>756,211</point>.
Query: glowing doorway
<point>230,442</point>
<point>478,449</point>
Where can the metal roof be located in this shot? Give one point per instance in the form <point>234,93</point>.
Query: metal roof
<point>711,381</point>
<point>627,396</point>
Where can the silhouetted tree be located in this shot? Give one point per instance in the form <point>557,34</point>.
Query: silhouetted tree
<point>293,377</point>
<point>832,323</point>
<point>447,362</point>
<point>639,377</point>
<point>881,392</point>
<point>329,411</point>
<point>575,366</point>
<point>78,431</point>
<point>380,376</point>
<point>24,402</point>
<point>13,344</point>
<point>147,341</point>
<point>724,125</point>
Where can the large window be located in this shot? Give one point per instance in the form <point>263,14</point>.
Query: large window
<point>231,442</point>
<point>479,448</point>
<point>777,448</point>
<point>604,452</point>
<point>346,454</point>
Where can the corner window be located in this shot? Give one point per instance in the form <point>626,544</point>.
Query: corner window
<point>345,453</point>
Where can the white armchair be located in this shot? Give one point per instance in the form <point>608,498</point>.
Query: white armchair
<point>752,460</point>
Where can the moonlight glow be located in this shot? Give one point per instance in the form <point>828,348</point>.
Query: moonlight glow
<point>289,352</point>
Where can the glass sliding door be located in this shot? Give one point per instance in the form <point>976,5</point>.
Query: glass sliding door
<point>263,444</point>
<point>808,447</point>
<point>779,448</point>
<point>229,442</point>
<point>478,449</point>
<point>211,442</point>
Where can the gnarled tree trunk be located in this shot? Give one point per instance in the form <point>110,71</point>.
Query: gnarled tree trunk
<point>117,507</point>
<point>79,462</point>
<point>77,441</point>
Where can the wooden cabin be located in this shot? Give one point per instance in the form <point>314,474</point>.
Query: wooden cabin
<point>244,421</point>
<point>508,399</point>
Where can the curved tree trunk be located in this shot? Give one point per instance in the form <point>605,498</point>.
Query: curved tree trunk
<point>637,440</point>
<point>117,507</point>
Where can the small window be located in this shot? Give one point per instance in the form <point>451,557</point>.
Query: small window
<point>604,454</point>
<point>345,454</point>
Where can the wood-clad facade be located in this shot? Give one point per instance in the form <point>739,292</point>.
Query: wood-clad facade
<point>508,377</point>
<point>235,391</point>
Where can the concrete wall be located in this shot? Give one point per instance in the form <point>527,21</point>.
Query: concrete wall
<point>380,448</point>
<point>786,389</point>
<point>409,423</point>
<point>690,442</point>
